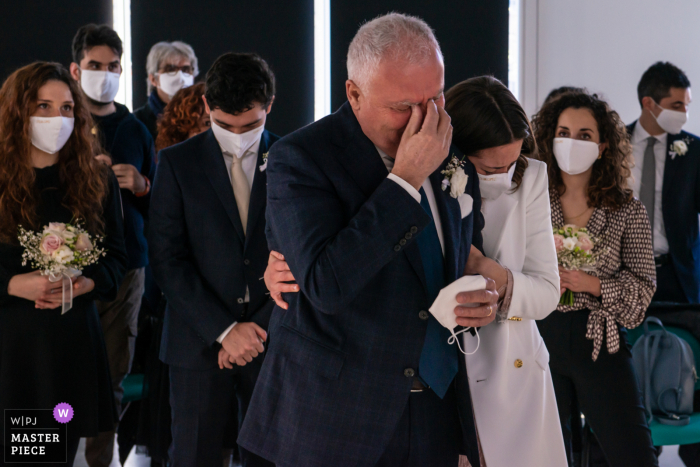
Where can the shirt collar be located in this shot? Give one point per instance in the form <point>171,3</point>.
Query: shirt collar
<point>640,134</point>
<point>254,149</point>
<point>388,161</point>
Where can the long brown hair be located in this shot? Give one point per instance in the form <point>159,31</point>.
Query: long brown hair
<point>83,179</point>
<point>180,116</point>
<point>485,114</point>
<point>608,185</point>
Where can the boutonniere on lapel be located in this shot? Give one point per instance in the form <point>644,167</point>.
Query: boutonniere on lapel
<point>455,178</point>
<point>679,147</point>
<point>264,164</point>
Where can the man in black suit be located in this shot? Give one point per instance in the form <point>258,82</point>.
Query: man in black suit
<point>358,372</point>
<point>666,178</point>
<point>208,253</point>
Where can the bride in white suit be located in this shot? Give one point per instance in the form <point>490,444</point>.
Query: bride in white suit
<point>509,378</point>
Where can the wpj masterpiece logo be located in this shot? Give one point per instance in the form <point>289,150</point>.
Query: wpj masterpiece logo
<point>37,435</point>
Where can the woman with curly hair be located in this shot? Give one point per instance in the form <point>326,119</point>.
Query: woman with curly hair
<point>588,155</point>
<point>48,174</point>
<point>183,118</point>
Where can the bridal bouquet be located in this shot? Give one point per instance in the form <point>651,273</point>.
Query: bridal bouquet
<point>574,251</point>
<point>60,251</point>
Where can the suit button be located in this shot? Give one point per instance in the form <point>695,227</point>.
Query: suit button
<point>397,248</point>
<point>402,242</point>
<point>409,373</point>
<point>246,262</point>
<point>518,363</point>
<point>408,235</point>
<point>414,229</point>
<point>240,300</point>
<point>423,315</point>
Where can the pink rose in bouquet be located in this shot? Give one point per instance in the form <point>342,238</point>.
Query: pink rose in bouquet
<point>558,242</point>
<point>83,243</point>
<point>50,243</point>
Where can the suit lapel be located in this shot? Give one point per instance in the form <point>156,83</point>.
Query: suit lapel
<point>510,202</point>
<point>258,193</point>
<point>671,177</point>
<point>451,220</point>
<point>360,158</point>
<point>215,169</point>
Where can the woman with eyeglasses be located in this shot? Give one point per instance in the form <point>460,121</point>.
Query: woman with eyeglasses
<point>171,66</point>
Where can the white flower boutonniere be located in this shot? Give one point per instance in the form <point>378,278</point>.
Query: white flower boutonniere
<point>264,164</point>
<point>679,147</point>
<point>455,178</point>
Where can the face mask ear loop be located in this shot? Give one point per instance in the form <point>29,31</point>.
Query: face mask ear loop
<point>454,338</point>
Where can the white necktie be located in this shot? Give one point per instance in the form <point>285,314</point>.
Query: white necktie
<point>241,189</point>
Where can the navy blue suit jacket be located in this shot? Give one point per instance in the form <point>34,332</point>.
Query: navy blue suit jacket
<point>680,206</point>
<point>200,257</point>
<point>332,387</point>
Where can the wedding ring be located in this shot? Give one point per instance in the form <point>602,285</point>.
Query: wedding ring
<point>490,310</point>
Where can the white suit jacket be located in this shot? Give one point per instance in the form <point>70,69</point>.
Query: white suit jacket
<point>511,385</point>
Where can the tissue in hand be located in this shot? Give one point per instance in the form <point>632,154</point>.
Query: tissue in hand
<point>446,301</point>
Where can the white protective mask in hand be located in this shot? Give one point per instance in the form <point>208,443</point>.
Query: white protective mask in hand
<point>492,186</point>
<point>575,156</point>
<point>50,134</point>
<point>171,83</point>
<point>671,121</point>
<point>236,144</point>
<point>443,308</point>
<point>100,86</point>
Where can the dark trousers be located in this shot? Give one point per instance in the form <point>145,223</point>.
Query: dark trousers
<point>606,390</point>
<point>203,403</point>
<point>428,433</point>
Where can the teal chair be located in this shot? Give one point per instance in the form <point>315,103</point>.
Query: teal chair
<point>667,435</point>
<point>133,389</point>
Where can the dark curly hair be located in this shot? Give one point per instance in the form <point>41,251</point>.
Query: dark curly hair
<point>238,81</point>
<point>84,179</point>
<point>180,116</point>
<point>608,184</point>
<point>485,114</point>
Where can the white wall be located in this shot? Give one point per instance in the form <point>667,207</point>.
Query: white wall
<point>605,46</point>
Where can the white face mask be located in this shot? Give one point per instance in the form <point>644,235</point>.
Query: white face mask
<point>492,186</point>
<point>100,86</point>
<point>444,305</point>
<point>50,134</point>
<point>575,156</point>
<point>171,83</point>
<point>671,121</point>
<point>236,144</point>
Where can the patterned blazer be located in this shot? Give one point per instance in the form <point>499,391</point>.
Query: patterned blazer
<point>626,271</point>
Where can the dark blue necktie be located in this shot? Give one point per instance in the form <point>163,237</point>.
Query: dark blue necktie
<point>438,361</point>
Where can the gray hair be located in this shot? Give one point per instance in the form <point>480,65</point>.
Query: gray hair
<point>394,36</point>
<point>164,51</point>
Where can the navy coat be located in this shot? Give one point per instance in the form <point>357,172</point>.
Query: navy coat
<point>335,382</point>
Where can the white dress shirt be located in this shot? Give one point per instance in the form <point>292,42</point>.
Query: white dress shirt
<point>639,145</point>
<point>427,187</point>
<point>249,164</point>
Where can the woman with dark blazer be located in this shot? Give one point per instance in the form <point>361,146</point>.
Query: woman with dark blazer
<point>48,174</point>
<point>585,146</point>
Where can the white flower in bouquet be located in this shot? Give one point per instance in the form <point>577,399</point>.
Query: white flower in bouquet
<point>64,255</point>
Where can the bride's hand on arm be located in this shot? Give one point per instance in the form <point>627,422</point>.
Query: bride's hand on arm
<point>479,264</point>
<point>277,276</point>
<point>579,281</point>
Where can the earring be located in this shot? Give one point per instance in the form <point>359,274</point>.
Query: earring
<point>600,156</point>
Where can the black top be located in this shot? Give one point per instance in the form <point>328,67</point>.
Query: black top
<point>127,141</point>
<point>46,357</point>
<point>151,112</point>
